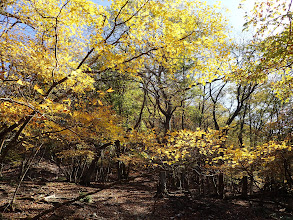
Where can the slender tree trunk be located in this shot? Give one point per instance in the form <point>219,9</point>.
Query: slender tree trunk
<point>14,142</point>
<point>122,172</point>
<point>202,186</point>
<point>167,124</point>
<point>287,171</point>
<point>217,127</point>
<point>241,130</point>
<point>244,187</point>
<point>10,205</point>
<point>1,145</point>
<point>183,116</point>
<point>137,124</point>
<point>213,187</point>
<point>202,109</point>
<point>251,185</point>
<point>162,185</point>
<point>6,129</point>
<point>221,185</point>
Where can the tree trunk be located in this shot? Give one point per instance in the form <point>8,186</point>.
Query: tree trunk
<point>122,171</point>
<point>137,124</point>
<point>184,181</point>
<point>251,184</point>
<point>89,172</point>
<point>14,140</point>
<point>202,186</point>
<point>221,186</point>
<point>213,187</point>
<point>244,187</point>
<point>162,185</point>
<point>183,116</point>
<point>167,124</point>
<point>241,130</point>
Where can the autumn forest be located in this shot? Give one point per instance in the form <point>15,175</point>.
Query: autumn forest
<point>157,89</point>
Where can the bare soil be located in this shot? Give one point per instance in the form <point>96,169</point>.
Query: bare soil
<point>133,199</point>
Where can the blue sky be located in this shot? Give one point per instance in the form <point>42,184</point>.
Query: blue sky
<point>235,15</point>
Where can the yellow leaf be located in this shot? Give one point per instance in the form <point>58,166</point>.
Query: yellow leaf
<point>20,82</point>
<point>110,90</point>
<point>100,103</point>
<point>38,89</point>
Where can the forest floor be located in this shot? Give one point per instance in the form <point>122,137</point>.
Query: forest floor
<point>133,199</point>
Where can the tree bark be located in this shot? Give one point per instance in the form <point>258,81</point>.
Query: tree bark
<point>244,187</point>
<point>91,170</point>
<point>167,124</point>
<point>162,185</point>
<point>87,175</point>
<point>137,124</point>
<point>221,185</point>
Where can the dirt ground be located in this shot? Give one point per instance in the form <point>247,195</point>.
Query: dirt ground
<point>133,199</point>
